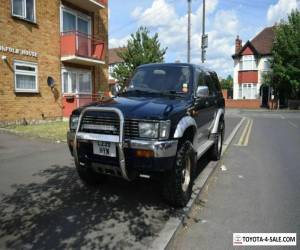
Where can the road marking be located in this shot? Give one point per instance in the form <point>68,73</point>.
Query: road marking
<point>173,225</point>
<point>282,117</point>
<point>248,134</point>
<point>244,133</point>
<point>293,124</point>
<point>244,139</point>
<point>232,134</point>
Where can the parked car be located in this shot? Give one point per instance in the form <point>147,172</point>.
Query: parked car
<point>165,120</point>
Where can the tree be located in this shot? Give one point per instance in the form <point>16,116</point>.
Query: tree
<point>285,64</point>
<point>141,49</point>
<point>227,83</point>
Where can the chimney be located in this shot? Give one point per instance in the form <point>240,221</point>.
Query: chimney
<point>238,44</point>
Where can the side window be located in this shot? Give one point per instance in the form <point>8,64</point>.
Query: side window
<point>24,9</point>
<point>200,78</point>
<point>216,81</point>
<point>26,77</point>
<point>210,84</point>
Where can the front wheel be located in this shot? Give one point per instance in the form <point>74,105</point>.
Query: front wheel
<point>218,138</point>
<point>178,182</point>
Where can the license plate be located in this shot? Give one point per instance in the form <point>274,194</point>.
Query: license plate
<point>104,148</point>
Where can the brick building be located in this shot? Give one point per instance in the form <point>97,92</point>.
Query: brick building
<point>251,62</point>
<point>40,40</point>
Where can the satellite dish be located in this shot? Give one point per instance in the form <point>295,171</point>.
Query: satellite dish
<point>50,81</point>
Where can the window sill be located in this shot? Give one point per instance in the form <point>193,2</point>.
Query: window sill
<point>25,20</point>
<point>245,70</point>
<point>27,91</point>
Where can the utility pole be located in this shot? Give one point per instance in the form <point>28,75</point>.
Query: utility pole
<point>189,32</point>
<point>204,41</point>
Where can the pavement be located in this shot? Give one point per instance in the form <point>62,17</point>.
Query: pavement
<point>255,189</point>
<point>43,204</point>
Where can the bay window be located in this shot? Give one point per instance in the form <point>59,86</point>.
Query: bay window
<point>248,63</point>
<point>26,77</point>
<point>24,9</point>
<point>248,91</point>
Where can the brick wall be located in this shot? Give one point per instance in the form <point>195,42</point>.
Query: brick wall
<point>43,38</point>
<point>242,104</point>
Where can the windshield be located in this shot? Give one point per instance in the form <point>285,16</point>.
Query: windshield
<point>162,79</point>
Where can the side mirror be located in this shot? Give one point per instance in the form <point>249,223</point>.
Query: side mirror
<point>202,91</point>
<point>115,90</point>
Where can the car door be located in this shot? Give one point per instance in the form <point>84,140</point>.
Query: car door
<point>212,81</point>
<point>203,108</point>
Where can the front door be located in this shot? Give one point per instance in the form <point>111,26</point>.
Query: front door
<point>264,96</point>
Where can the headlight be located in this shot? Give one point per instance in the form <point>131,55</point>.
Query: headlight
<point>74,122</point>
<point>155,129</point>
<point>148,129</point>
<point>164,130</point>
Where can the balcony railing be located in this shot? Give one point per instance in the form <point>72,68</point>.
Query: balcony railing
<point>79,46</point>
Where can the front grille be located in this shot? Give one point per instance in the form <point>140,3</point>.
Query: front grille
<point>109,124</point>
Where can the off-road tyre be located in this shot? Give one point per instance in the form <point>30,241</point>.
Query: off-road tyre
<point>216,149</point>
<point>173,191</point>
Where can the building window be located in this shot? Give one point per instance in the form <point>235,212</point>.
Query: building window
<point>248,91</point>
<point>76,81</point>
<point>26,77</point>
<point>75,21</point>
<point>266,65</point>
<point>248,63</point>
<point>24,9</point>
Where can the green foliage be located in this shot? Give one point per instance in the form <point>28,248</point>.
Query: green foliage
<point>285,76</point>
<point>227,83</point>
<point>141,49</point>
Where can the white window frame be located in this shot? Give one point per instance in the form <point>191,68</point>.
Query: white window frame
<point>251,86</point>
<point>77,71</point>
<point>24,14</point>
<point>76,14</point>
<point>248,58</point>
<point>266,61</point>
<point>28,73</point>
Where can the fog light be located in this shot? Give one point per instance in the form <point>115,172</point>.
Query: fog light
<point>144,153</point>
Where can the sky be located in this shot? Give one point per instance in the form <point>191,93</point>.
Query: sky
<point>225,19</point>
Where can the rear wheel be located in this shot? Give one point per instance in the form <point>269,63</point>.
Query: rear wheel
<point>178,182</point>
<point>216,150</point>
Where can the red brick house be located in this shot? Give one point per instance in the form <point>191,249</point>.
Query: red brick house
<point>251,61</point>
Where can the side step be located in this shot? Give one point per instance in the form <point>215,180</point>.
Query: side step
<point>203,148</point>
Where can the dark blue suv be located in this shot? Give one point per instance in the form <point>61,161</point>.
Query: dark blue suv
<point>167,117</point>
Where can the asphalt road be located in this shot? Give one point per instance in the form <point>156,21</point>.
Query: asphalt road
<point>43,204</point>
<point>255,190</point>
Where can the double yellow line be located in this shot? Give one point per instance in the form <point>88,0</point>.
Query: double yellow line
<point>244,139</point>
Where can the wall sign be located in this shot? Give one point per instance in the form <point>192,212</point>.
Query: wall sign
<point>22,52</point>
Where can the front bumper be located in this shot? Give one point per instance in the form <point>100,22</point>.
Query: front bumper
<point>160,149</point>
